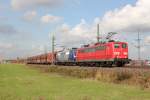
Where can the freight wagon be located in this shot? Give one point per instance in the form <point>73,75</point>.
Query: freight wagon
<point>41,59</point>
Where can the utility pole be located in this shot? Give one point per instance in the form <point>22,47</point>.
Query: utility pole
<point>139,46</point>
<point>53,49</point>
<point>98,37</point>
<point>45,51</point>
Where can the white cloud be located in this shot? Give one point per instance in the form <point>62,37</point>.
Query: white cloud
<point>5,46</point>
<point>30,15</point>
<point>147,39</point>
<point>130,18</point>
<point>26,4</point>
<point>81,33</point>
<point>50,19</point>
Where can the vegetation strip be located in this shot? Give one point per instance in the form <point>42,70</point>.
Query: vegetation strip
<point>139,77</point>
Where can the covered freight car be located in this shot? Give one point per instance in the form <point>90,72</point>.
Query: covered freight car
<point>41,59</point>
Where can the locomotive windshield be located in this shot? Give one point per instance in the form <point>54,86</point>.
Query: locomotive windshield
<point>124,45</point>
<point>120,45</point>
<point>116,45</point>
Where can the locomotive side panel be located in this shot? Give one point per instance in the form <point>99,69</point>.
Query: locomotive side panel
<point>94,53</point>
<point>62,56</point>
<point>66,56</point>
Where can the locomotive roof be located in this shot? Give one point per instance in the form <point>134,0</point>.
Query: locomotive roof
<point>101,43</point>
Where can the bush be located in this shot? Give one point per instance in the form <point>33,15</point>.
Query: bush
<point>123,75</point>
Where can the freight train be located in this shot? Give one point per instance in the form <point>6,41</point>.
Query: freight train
<point>111,53</point>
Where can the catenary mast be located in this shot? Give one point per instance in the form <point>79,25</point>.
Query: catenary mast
<point>98,36</point>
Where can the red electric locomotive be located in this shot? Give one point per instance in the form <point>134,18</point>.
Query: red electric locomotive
<point>102,54</point>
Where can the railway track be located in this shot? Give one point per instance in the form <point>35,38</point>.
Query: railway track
<point>89,67</point>
<point>138,67</point>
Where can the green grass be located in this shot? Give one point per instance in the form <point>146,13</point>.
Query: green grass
<point>18,82</point>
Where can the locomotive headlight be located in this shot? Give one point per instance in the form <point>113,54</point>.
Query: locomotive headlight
<point>67,53</point>
<point>125,53</point>
<point>116,53</point>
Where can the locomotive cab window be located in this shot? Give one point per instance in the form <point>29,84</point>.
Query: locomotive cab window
<point>124,46</point>
<point>100,48</point>
<point>116,45</point>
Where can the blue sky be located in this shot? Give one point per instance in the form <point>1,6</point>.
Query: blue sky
<point>27,25</point>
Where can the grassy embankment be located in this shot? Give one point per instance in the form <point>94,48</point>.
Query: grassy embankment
<point>18,82</point>
<point>130,76</point>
